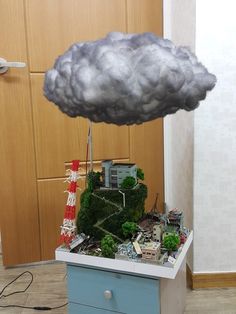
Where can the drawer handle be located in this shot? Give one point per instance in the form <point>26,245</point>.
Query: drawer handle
<point>107,294</point>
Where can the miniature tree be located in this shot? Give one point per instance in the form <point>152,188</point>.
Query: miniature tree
<point>128,183</point>
<point>93,180</point>
<point>171,242</point>
<point>140,174</point>
<point>108,246</point>
<point>129,229</point>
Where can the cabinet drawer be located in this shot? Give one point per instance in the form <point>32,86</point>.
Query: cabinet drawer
<point>87,286</point>
<point>74,308</point>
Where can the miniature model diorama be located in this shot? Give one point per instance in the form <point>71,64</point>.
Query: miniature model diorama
<point>124,79</point>
<point>112,221</point>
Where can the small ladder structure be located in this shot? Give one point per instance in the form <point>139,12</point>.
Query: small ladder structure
<point>68,228</point>
<point>154,210</point>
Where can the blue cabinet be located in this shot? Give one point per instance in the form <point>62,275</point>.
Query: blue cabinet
<point>98,285</point>
<point>75,308</point>
<point>98,291</point>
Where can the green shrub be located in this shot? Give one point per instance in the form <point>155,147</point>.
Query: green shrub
<point>93,180</point>
<point>171,242</point>
<point>140,174</point>
<point>108,246</point>
<point>128,183</point>
<point>129,229</point>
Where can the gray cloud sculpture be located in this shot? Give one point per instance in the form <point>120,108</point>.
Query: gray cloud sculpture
<point>127,79</point>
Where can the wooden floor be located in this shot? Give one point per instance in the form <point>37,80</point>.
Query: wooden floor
<point>209,301</point>
<point>49,289</point>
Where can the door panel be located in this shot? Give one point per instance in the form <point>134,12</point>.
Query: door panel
<point>38,141</point>
<point>52,201</point>
<point>146,150</point>
<point>57,137</point>
<point>109,141</point>
<point>146,140</point>
<point>53,26</point>
<point>19,208</point>
<point>60,139</point>
<point>144,16</point>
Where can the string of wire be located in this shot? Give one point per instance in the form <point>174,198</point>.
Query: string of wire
<point>39,308</point>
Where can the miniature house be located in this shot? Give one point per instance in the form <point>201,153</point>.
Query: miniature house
<point>175,218</point>
<point>151,250</point>
<point>114,174</point>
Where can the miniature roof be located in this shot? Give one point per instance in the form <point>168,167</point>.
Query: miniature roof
<point>127,165</point>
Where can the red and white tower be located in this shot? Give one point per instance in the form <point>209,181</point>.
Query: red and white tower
<point>68,229</point>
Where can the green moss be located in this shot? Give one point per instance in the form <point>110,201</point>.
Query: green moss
<point>106,206</point>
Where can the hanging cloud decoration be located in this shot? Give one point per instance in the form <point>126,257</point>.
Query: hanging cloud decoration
<point>127,79</point>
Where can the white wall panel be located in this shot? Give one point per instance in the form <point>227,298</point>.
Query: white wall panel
<point>179,26</point>
<point>215,141</point>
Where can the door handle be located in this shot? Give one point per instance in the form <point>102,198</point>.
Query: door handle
<point>4,65</point>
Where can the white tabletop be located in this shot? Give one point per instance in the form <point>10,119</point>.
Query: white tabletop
<point>129,267</point>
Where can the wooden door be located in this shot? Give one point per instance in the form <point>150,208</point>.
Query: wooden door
<point>48,29</point>
<point>18,190</point>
